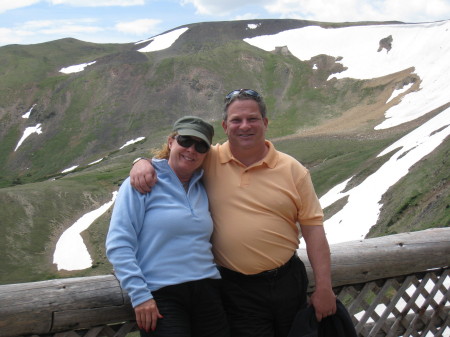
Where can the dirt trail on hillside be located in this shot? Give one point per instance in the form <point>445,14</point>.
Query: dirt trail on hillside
<point>360,120</point>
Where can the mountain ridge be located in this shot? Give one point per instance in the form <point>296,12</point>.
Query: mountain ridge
<point>327,123</point>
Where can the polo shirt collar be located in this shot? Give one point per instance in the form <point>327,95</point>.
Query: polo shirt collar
<point>270,159</point>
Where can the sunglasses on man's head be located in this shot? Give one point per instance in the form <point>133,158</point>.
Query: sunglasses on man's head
<point>187,141</point>
<point>243,93</point>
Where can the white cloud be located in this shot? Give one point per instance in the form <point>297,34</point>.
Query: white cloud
<point>325,10</point>
<point>64,27</point>
<point>38,24</point>
<point>220,7</point>
<point>138,27</point>
<point>418,10</point>
<point>332,10</point>
<point>11,36</point>
<point>6,5</point>
<point>360,10</point>
<point>246,16</point>
<point>49,28</point>
<point>69,30</point>
<point>8,36</point>
<point>98,3</point>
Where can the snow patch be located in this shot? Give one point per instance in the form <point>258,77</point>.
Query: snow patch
<point>130,142</point>
<point>70,169</point>
<point>29,131</point>
<point>75,68</point>
<point>163,41</point>
<point>71,252</point>
<point>26,115</point>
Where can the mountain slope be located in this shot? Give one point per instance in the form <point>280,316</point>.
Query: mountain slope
<point>324,119</point>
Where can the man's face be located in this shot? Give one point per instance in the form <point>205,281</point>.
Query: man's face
<point>245,127</point>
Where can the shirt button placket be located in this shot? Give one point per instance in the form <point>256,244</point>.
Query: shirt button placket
<point>245,178</point>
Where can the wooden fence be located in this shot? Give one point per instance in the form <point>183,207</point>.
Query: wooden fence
<point>392,286</point>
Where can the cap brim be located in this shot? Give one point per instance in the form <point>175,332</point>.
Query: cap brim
<point>193,133</point>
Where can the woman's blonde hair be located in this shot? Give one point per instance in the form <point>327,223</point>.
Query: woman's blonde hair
<point>164,151</point>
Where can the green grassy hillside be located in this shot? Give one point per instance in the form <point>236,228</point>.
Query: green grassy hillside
<point>326,124</point>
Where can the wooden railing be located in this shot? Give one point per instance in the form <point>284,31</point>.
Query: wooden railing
<point>392,286</point>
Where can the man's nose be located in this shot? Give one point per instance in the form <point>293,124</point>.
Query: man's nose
<point>245,123</point>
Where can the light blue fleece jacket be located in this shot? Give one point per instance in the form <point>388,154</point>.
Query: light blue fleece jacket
<point>161,238</point>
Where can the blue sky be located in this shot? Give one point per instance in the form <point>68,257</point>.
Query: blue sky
<point>120,21</point>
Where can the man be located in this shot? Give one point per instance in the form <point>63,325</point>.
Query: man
<point>257,197</point>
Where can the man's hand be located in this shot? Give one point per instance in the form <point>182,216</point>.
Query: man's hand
<point>147,315</point>
<point>323,299</point>
<point>324,303</point>
<point>143,176</point>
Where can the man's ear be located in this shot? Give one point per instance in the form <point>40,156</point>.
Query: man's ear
<point>224,126</point>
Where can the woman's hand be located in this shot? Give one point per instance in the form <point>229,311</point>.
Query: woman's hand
<point>147,315</point>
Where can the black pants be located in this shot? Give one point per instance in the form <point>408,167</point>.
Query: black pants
<point>265,304</point>
<point>191,309</point>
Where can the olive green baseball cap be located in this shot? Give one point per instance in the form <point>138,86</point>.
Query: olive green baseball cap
<point>196,127</point>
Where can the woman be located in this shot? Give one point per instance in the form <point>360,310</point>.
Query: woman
<point>159,243</point>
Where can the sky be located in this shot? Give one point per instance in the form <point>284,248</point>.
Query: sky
<point>122,21</point>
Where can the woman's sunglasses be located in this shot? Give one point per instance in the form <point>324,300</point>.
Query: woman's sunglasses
<point>186,141</point>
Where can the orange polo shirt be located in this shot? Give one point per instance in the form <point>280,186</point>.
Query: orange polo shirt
<point>256,209</point>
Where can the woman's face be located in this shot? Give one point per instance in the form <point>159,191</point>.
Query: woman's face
<point>185,160</point>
